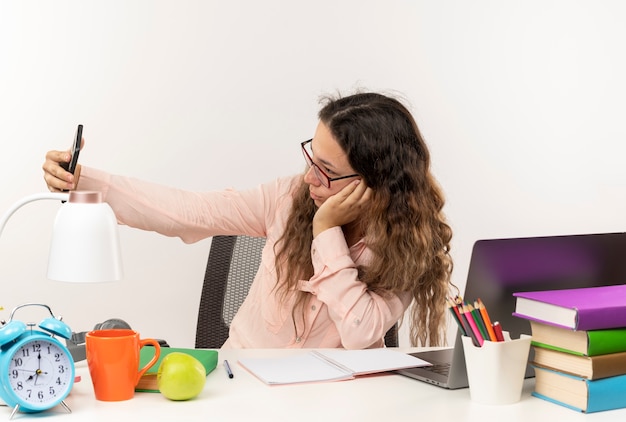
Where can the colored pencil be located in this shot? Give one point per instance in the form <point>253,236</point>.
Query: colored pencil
<point>468,330</point>
<point>472,324</point>
<point>456,315</point>
<point>488,325</point>
<point>479,321</point>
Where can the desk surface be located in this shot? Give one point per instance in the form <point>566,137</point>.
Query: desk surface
<point>244,397</point>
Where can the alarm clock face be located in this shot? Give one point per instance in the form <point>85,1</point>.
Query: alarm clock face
<point>40,373</point>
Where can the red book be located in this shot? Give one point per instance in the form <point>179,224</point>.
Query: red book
<point>588,308</point>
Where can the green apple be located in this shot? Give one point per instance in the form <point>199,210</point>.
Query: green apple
<point>180,376</point>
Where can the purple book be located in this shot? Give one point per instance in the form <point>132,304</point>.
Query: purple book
<point>588,308</point>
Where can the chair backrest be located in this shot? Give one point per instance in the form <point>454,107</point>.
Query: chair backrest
<point>391,336</point>
<point>231,267</point>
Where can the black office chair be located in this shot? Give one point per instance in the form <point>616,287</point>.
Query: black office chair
<point>231,267</point>
<point>391,336</point>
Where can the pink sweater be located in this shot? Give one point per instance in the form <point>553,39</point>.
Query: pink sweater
<point>341,311</point>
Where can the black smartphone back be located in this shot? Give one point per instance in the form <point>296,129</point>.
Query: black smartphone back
<point>71,166</point>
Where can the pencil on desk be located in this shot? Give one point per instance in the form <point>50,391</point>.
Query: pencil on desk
<point>488,325</point>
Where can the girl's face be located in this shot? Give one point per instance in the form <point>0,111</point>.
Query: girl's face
<point>332,160</point>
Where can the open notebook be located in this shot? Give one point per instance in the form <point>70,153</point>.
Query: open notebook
<point>327,365</point>
<point>500,267</point>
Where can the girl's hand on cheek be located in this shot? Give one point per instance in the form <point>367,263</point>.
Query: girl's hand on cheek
<point>343,207</point>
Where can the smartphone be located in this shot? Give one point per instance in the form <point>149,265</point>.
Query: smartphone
<point>71,166</point>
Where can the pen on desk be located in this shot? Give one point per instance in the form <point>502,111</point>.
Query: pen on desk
<point>228,371</point>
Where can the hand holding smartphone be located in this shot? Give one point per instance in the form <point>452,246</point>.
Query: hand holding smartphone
<point>71,166</point>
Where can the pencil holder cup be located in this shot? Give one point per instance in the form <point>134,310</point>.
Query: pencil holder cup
<point>496,370</point>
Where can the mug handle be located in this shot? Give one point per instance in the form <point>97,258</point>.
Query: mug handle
<point>155,358</point>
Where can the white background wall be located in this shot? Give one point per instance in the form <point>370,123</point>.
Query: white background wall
<point>521,103</point>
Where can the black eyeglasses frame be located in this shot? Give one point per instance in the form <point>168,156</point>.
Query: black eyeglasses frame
<point>321,175</point>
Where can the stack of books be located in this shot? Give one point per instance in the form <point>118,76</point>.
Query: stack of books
<point>579,345</point>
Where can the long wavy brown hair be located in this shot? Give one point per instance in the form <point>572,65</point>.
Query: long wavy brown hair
<point>404,226</point>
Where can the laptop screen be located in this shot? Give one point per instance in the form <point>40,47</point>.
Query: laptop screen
<point>501,267</point>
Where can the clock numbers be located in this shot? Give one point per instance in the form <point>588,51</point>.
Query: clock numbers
<point>37,368</point>
<point>40,371</point>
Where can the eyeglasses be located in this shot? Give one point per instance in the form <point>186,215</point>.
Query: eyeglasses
<point>323,177</point>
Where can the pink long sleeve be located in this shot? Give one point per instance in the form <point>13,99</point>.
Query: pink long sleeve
<point>341,311</point>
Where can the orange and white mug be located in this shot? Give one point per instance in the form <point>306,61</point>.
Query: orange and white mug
<point>113,360</point>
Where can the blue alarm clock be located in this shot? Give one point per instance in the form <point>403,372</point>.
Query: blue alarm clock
<point>36,369</point>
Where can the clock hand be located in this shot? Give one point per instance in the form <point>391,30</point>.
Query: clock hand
<point>30,378</point>
<point>26,370</point>
<point>37,372</point>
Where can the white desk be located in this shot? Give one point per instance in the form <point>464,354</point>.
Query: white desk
<point>376,398</point>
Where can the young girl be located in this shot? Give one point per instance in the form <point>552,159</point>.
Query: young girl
<point>351,244</point>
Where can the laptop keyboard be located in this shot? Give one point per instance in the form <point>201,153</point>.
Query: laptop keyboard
<point>442,368</point>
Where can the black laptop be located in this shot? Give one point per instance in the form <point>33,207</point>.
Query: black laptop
<point>500,267</point>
